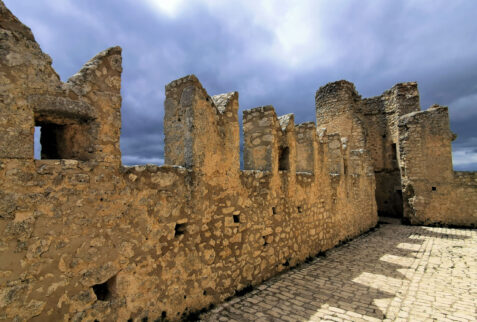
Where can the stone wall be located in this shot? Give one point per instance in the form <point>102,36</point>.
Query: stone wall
<point>371,124</point>
<point>85,238</point>
<point>410,152</point>
<point>433,192</point>
<point>81,118</point>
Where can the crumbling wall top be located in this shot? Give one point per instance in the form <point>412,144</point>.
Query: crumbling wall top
<point>9,22</point>
<point>175,88</point>
<point>339,90</point>
<point>102,71</point>
<point>286,120</point>
<point>222,101</point>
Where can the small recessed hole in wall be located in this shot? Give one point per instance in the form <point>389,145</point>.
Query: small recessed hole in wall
<point>179,229</point>
<point>393,152</point>
<point>130,320</point>
<point>274,210</point>
<point>103,291</point>
<point>163,314</point>
<point>300,209</point>
<point>178,119</point>
<point>265,243</point>
<point>434,188</point>
<point>384,136</point>
<point>236,218</point>
<point>287,263</point>
<point>204,292</point>
<point>321,254</point>
<point>284,159</point>
<point>243,291</point>
<point>101,199</point>
<point>145,319</point>
<point>185,296</point>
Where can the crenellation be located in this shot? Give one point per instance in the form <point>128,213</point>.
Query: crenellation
<point>335,154</point>
<point>175,88</point>
<point>261,139</point>
<point>335,98</point>
<point>98,84</point>
<point>229,132</point>
<point>427,138</point>
<point>402,98</point>
<point>223,102</point>
<point>102,73</point>
<point>88,238</point>
<point>337,109</point>
<point>194,128</point>
<point>287,144</point>
<point>431,188</point>
<point>306,146</point>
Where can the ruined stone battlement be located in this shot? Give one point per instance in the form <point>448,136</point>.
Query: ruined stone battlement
<point>85,238</point>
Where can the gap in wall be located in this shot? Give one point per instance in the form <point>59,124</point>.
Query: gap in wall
<point>36,143</point>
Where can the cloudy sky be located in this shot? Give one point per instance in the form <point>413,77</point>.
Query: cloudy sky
<point>272,52</point>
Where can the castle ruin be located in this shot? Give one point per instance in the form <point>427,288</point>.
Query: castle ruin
<point>86,238</point>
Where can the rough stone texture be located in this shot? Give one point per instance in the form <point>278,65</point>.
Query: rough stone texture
<point>305,136</point>
<point>432,190</point>
<point>86,109</point>
<point>84,238</point>
<point>262,132</point>
<point>371,124</point>
<point>410,152</point>
<point>396,273</point>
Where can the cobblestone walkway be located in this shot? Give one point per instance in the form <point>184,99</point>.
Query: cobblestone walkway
<point>396,273</point>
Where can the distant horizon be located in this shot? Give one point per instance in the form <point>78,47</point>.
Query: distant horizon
<point>271,54</point>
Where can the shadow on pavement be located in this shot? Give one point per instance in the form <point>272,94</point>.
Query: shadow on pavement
<point>360,278</point>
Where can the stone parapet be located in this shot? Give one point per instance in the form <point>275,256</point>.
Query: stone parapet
<point>85,238</point>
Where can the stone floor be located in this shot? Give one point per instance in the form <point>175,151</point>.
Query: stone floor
<point>396,273</point>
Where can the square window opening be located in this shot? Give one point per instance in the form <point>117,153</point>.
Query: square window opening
<point>62,141</point>
<point>47,141</point>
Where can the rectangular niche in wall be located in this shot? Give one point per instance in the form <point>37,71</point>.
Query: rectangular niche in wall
<point>284,159</point>
<point>393,152</point>
<point>50,140</point>
<point>62,141</point>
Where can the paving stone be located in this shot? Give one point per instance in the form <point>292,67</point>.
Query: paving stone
<point>396,273</point>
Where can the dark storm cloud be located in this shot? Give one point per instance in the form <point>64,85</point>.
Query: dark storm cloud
<point>271,54</point>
